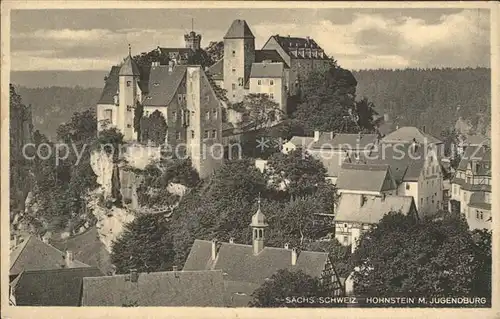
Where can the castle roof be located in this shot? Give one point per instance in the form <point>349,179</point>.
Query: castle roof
<point>163,84</point>
<point>129,67</point>
<point>292,43</point>
<point>269,55</point>
<point>267,70</point>
<point>407,134</point>
<point>110,86</point>
<point>239,29</point>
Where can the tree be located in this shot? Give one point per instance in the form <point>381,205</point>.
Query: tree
<point>288,289</point>
<point>328,101</point>
<point>138,113</point>
<point>111,141</point>
<point>339,254</point>
<point>215,50</point>
<point>297,171</point>
<point>258,110</point>
<point>432,257</point>
<point>365,111</point>
<point>145,245</point>
<point>154,128</point>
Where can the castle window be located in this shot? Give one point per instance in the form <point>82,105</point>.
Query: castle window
<point>205,134</point>
<point>233,86</point>
<point>240,81</point>
<point>407,186</point>
<point>129,83</point>
<point>234,53</point>
<point>259,82</point>
<point>207,115</point>
<point>129,108</point>
<point>192,133</point>
<point>271,95</point>
<point>271,82</point>
<point>179,98</point>
<point>174,115</point>
<point>214,134</point>
<point>233,70</point>
<point>129,126</point>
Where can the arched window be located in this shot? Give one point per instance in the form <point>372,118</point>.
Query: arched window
<point>260,233</point>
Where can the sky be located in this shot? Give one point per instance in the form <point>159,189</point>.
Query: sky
<point>96,39</point>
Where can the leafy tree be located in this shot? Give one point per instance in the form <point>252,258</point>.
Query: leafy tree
<point>405,257</point>
<point>215,50</point>
<point>111,141</point>
<point>154,128</point>
<point>450,140</point>
<point>145,245</point>
<point>365,112</point>
<point>328,101</point>
<point>298,171</point>
<point>341,255</point>
<point>285,287</point>
<point>258,110</point>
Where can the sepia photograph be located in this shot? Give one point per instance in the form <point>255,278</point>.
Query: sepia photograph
<point>292,155</point>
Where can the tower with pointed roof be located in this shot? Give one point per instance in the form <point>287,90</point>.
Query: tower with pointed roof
<point>239,54</point>
<point>258,226</point>
<point>129,93</point>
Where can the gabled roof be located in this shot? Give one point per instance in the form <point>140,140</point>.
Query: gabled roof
<point>291,43</point>
<point>370,209</point>
<point>239,29</point>
<point>267,70</point>
<point>110,87</point>
<point>478,200</point>
<point>269,55</point>
<point>129,67</point>
<point>217,70</point>
<point>477,140</point>
<point>34,254</point>
<point>478,153</point>
<point>238,262</point>
<point>166,289</point>
<point>332,162</point>
<point>365,177</point>
<point>87,247</point>
<point>163,84</point>
<point>56,287</point>
<point>406,134</point>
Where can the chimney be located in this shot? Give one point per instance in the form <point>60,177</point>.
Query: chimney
<point>69,259</point>
<point>294,256</point>
<point>231,240</point>
<point>171,64</point>
<point>214,248</point>
<point>134,276</point>
<point>359,137</point>
<point>332,135</point>
<point>287,246</point>
<point>316,136</point>
<point>423,128</point>
<point>174,268</point>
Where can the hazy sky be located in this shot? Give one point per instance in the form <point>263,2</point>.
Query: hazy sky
<point>357,38</point>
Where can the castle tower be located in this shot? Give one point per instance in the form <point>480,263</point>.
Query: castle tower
<point>128,94</point>
<point>193,41</point>
<point>258,226</point>
<point>239,54</point>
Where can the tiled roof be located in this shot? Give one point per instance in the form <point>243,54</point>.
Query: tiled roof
<point>344,141</point>
<point>471,187</point>
<point>365,177</point>
<point>239,29</point>
<point>478,200</point>
<point>239,293</point>
<point>301,141</point>
<point>34,254</point>
<point>87,248</point>
<point>477,140</point>
<point>217,70</point>
<point>266,70</point>
<point>292,43</point>
<point>110,87</point>
<point>239,264</point>
<point>269,55</point>
<point>129,67</point>
<point>163,84</point>
<point>56,287</point>
<point>332,162</point>
<point>406,134</point>
<point>373,209</point>
<point>166,289</point>
<point>479,153</point>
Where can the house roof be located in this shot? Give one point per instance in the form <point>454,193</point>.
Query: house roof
<point>34,254</point>
<point>301,141</point>
<point>478,153</point>
<point>87,247</point>
<point>239,264</point>
<point>110,86</point>
<point>406,134</point>
<point>373,209</point>
<point>55,287</point>
<point>239,293</point>
<point>289,43</point>
<point>365,177</point>
<point>332,162</point>
<point>239,29</point>
<point>478,200</point>
<point>129,67</point>
<point>267,70</point>
<point>163,84</point>
<point>477,140</point>
<point>269,55</point>
<point>217,70</point>
<point>167,289</point>
<point>328,140</point>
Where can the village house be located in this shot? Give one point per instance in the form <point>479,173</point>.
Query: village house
<point>246,267</point>
<point>471,187</point>
<point>410,134</point>
<point>357,213</point>
<point>156,289</point>
<point>367,179</point>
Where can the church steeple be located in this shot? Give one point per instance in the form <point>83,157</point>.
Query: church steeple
<point>258,226</point>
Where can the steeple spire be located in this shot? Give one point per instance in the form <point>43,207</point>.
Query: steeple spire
<point>258,202</point>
